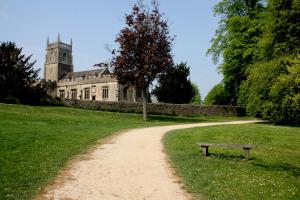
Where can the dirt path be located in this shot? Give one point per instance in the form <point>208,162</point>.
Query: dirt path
<point>130,166</point>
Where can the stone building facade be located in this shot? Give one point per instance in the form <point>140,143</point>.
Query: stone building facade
<point>99,84</point>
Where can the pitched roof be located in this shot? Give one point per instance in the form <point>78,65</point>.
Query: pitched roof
<point>95,72</point>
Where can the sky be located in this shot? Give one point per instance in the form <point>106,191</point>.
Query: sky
<point>94,24</point>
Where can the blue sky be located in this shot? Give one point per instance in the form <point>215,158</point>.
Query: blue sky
<point>92,24</point>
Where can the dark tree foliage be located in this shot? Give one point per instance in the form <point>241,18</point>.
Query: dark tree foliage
<point>145,49</point>
<point>17,77</point>
<point>175,86</point>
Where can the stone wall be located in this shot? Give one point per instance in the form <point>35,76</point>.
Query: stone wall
<point>157,108</point>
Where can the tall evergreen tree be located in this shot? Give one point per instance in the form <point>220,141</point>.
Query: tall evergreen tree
<point>17,75</point>
<point>175,86</point>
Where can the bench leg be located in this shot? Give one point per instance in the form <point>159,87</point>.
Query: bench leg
<point>247,152</point>
<point>205,151</point>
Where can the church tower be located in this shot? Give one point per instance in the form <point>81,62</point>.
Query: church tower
<point>59,60</point>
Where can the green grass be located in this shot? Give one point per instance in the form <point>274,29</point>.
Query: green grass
<point>273,171</point>
<point>36,142</point>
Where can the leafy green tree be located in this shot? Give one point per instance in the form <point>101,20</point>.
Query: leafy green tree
<point>285,95</point>
<point>145,49</point>
<point>287,88</point>
<point>236,41</point>
<point>197,96</point>
<point>273,90</point>
<point>230,8</point>
<point>282,30</point>
<point>272,86</point>
<point>18,78</point>
<point>259,82</point>
<point>259,47</point>
<point>175,86</point>
<point>217,96</point>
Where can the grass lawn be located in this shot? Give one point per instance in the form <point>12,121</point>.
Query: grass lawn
<point>36,142</point>
<point>273,171</point>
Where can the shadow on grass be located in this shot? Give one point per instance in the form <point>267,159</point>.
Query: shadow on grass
<point>229,157</point>
<point>166,118</point>
<point>281,167</point>
<point>286,124</point>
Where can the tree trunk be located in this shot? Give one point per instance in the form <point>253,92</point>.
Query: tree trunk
<point>144,97</point>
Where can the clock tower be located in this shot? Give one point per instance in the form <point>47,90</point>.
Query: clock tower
<point>59,60</point>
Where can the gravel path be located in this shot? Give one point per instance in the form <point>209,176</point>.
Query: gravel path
<point>130,166</point>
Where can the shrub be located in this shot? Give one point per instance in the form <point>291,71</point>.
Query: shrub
<point>217,96</point>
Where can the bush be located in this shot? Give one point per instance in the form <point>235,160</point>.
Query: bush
<point>197,96</point>
<point>217,96</point>
<point>272,90</point>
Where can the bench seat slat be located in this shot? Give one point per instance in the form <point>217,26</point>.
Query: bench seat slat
<point>227,145</point>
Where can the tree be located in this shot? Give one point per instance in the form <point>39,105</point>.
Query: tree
<point>197,96</point>
<point>260,49</point>
<point>217,96</point>
<point>285,95</point>
<point>236,40</point>
<point>145,49</point>
<point>17,76</point>
<point>282,30</point>
<point>230,8</point>
<point>273,90</point>
<point>272,87</point>
<point>174,86</point>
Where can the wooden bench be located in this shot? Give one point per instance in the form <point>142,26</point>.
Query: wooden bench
<point>246,147</point>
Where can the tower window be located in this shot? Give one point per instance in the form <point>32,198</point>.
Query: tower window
<point>64,57</point>
<point>52,59</point>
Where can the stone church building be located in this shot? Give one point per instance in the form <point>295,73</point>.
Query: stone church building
<point>99,84</point>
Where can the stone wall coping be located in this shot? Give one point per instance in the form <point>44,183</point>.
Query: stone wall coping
<point>157,108</point>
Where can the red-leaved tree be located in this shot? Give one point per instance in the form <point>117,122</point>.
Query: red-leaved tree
<point>144,49</point>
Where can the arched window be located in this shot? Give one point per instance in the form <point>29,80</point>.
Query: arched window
<point>51,56</point>
<point>64,57</point>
